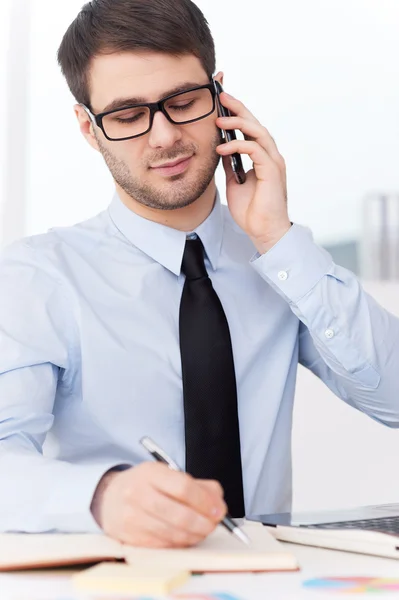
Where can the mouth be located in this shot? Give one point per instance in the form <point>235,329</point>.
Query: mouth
<point>173,168</point>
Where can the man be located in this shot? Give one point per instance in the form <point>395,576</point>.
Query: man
<point>111,330</point>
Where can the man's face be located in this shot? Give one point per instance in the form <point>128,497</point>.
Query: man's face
<point>133,162</point>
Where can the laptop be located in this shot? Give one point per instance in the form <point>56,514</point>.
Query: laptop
<point>366,530</point>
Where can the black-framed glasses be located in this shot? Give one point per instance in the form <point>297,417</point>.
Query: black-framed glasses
<point>133,121</point>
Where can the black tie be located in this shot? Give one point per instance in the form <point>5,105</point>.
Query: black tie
<point>209,383</point>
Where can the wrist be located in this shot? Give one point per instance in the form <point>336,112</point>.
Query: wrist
<point>265,243</point>
<point>99,495</point>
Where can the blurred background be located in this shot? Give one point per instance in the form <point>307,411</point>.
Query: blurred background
<point>322,75</point>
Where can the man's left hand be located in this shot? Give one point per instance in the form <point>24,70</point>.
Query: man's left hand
<point>259,206</point>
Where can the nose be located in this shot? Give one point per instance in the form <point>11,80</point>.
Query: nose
<point>163,133</point>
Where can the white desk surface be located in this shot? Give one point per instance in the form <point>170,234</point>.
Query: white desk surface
<point>56,585</point>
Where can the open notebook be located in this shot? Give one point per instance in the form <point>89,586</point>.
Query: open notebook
<point>221,551</point>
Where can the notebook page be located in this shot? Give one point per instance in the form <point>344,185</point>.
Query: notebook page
<point>221,551</point>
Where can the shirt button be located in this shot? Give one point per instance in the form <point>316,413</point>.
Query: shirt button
<point>329,334</point>
<point>283,276</point>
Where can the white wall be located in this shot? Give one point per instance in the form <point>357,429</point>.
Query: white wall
<point>15,106</point>
<point>341,457</point>
<point>5,15</point>
<point>67,179</point>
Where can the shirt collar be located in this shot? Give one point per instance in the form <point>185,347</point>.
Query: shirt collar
<point>164,244</point>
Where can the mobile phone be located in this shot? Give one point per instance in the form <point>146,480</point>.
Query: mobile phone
<point>229,135</point>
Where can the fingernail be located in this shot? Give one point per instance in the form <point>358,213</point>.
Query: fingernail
<point>217,512</point>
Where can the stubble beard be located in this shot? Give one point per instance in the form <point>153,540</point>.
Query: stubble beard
<point>186,189</point>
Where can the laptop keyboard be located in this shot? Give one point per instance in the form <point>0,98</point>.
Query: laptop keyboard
<point>382,524</point>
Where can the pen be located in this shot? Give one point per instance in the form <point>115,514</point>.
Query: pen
<point>161,456</point>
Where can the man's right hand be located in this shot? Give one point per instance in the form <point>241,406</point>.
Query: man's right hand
<point>151,505</point>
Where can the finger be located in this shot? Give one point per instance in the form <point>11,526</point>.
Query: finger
<point>228,169</point>
<point>155,533</point>
<point>213,486</point>
<point>237,107</point>
<point>143,530</point>
<point>263,164</point>
<point>253,131</point>
<point>177,515</point>
<point>184,488</point>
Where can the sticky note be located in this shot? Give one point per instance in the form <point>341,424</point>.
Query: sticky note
<point>130,579</point>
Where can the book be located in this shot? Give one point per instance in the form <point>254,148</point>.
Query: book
<point>219,552</point>
<point>128,579</point>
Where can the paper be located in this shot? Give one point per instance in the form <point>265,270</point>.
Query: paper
<point>353,585</point>
<point>122,578</point>
<point>38,550</point>
<point>221,552</point>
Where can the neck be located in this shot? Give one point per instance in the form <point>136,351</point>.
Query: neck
<point>185,219</point>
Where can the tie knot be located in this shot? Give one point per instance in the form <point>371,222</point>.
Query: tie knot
<point>193,265</point>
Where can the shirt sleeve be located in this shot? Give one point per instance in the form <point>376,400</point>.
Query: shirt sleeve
<point>36,342</point>
<point>345,337</point>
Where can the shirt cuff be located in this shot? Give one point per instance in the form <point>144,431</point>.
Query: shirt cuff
<point>73,497</point>
<point>294,265</point>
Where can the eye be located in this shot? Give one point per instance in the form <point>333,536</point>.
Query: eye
<point>129,119</point>
<point>128,115</point>
<point>185,106</point>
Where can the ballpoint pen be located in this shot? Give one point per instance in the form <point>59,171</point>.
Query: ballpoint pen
<point>161,456</point>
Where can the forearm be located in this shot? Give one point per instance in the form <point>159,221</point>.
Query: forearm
<point>46,495</point>
<point>351,342</point>
<point>41,494</point>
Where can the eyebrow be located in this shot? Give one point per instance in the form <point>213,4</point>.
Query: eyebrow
<point>125,102</point>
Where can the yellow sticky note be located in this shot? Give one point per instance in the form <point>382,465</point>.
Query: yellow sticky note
<point>130,579</point>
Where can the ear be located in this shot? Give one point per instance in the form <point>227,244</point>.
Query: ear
<point>219,77</point>
<point>86,126</point>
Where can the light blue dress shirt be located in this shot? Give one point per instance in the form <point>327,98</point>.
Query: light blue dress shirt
<point>90,359</point>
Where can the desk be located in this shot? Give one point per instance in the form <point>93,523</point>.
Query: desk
<point>56,585</point>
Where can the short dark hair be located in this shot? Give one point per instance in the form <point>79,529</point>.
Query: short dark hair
<point>175,27</point>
